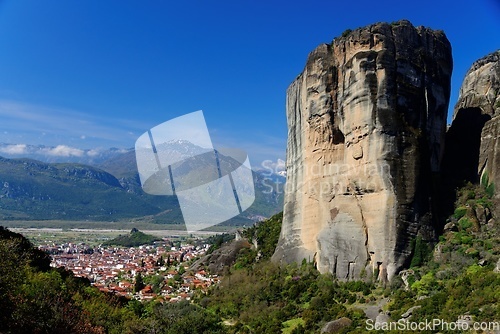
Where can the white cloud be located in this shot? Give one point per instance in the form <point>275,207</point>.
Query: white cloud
<point>93,152</point>
<point>64,151</point>
<point>14,149</point>
<point>53,125</point>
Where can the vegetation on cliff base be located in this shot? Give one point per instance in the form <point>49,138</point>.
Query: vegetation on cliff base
<point>459,278</point>
<point>265,234</point>
<point>455,279</point>
<point>258,296</point>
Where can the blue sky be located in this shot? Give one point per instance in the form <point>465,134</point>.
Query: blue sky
<point>99,73</point>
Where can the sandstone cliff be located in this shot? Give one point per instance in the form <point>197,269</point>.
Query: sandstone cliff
<point>473,143</point>
<point>366,123</point>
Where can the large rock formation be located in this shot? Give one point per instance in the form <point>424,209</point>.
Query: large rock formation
<point>366,123</point>
<point>473,143</point>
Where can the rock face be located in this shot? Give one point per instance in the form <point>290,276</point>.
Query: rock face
<point>366,124</point>
<point>473,141</point>
<point>336,326</point>
<point>481,86</point>
<point>222,258</point>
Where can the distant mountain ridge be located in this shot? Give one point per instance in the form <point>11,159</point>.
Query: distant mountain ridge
<point>269,186</point>
<point>31,189</point>
<point>109,190</point>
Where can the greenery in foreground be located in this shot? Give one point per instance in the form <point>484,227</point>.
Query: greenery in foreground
<point>257,296</point>
<point>35,298</point>
<point>454,279</point>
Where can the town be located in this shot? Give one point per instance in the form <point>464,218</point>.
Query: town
<point>150,272</point>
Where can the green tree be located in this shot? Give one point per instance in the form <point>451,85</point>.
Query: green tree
<point>157,283</point>
<point>185,317</point>
<point>181,270</point>
<point>139,283</point>
<point>421,251</point>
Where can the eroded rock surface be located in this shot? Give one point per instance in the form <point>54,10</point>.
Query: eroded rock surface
<point>221,259</point>
<point>472,151</point>
<point>472,142</point>
<point>481,90</point>
<point>366,126</point>
<point>481,86</point>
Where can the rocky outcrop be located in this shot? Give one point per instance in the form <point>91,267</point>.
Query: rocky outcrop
<point>366,124</point>
<point>472,142</point>
<point>481,86</point>
<point>221,259</point>
<point>336,326</point>
<point>481,90</point>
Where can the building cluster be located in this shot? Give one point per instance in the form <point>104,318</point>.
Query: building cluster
<point>156,272</point>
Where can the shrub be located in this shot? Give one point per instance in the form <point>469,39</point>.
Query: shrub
<point>459,212</point>
<point>346,32</point>
<point>489,188</point>
<point>421,252</point>
<point>465,223</point>
<point>425,285</point>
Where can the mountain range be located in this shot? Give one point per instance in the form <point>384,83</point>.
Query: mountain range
<point>102,186</point>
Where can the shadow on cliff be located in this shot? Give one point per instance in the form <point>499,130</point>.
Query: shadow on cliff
<point>461,156</point>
